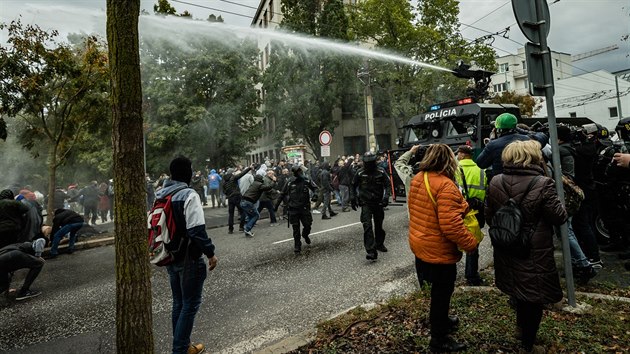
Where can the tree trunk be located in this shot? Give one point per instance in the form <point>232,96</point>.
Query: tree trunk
<point>52,183</point>
<point>134,333</point>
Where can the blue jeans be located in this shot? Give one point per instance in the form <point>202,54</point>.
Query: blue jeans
<point>186,279</point>
<point>251,214</point>
<point>72,229</point>
<point>578,259</point>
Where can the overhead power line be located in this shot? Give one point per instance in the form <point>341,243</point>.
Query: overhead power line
<point>486,15</point>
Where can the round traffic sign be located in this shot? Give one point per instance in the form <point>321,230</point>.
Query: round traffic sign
<point>325,138</point>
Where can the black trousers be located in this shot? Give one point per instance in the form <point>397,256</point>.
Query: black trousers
<point>235,202</point>
<point>202,196</point>
<point>90,213</point>
<point>297,216</point>
<point>528,316</point>
<point>582,225</point>
<point>442,280</point>
<point>15,260</point>
<point>372,236</point>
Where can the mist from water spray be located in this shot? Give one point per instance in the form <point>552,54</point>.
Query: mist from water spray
<point>177,30</point>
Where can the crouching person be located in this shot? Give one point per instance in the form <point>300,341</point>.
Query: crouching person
<point>20,256</point>
<point>65,221</point>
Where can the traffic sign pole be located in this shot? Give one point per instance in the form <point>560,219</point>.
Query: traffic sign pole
<point>534,22</point>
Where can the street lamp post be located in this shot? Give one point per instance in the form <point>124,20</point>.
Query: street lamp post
<point>370,138</point>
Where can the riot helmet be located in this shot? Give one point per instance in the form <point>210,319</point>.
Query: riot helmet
<point>623,129</point>
<point>296,170</point>
<point>369,160</point>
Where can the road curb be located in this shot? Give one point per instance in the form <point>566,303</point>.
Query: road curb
<point>289,344</point>
<point>99,241</point>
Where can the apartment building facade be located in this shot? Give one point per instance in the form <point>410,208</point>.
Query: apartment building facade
<point>349,137</point>
<point>512,71</point>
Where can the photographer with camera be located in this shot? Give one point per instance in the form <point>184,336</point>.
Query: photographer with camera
<point>618,190</point>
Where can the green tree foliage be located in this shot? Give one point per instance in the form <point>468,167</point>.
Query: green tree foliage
<point>303,87</point>
<point>428,33</point>
<point>526,103</point>
<point>56,92</point>
<point>200,100</point>
<point>163,7</point>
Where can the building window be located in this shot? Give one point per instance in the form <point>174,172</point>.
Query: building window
<point>572,114</point>
<point>266,21</point>
<point>557,62</point>
<point>354,144</point>
<point>504,67</point>
<point>260,24</point>
<point>612,111</point>
<point>501,87</point>
<point>525,84</point>
<point>524,64</point>
<point>270,9</point>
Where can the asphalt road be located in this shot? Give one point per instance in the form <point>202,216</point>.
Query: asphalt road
<point>259,293</point>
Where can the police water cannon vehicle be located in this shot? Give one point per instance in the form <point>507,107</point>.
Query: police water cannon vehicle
<point>465,121</point>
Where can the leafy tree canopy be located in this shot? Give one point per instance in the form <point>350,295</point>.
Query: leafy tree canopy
<point>428,33</point>
<point>303,87</point>
<point>54,92</point>
<point>526,103</point>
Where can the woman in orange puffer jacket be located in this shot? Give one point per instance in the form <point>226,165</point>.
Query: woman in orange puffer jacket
<point>436,235</point>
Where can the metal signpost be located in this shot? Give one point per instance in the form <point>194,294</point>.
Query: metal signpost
<point>325,138</point>
<point>534,20</point>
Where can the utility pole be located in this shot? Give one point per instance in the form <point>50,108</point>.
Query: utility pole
<point>619,114</point>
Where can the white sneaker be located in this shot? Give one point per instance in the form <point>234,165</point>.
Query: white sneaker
<point>273,224</point>
<point>249,234</point>
<point>315,211</point>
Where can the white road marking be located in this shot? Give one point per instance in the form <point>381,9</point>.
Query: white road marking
<point>320,232</point>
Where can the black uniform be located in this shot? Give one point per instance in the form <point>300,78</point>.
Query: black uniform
<point>370,190</point>
<point>299,203</point>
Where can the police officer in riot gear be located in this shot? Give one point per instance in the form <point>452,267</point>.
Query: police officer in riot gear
<point>299,206</point>
<point>370,190</point>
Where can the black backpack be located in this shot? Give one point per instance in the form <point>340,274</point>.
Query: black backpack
<point>507,223</point>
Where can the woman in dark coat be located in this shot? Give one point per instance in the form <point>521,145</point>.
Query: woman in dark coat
<point>532,280</point>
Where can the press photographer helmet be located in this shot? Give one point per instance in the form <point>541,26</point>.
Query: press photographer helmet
<point>623,129</point>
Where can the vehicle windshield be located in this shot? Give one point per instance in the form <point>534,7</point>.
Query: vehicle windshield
<point>418,133</point>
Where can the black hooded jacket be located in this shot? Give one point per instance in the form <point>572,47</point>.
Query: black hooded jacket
<point>12,217</point>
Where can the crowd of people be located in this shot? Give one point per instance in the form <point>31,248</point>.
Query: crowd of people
<point>444,187</point>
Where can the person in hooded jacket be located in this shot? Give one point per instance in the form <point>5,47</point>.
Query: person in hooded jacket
<point>531,279</point>
<point>197,183</point>
<point>233,194</point>
<point>65,221</point>
<point>188,272</point>
<point>325,190</point>
<point>249,200</point>
<point>90,196</point>
<point>370,190</point>
<point>299,205</point>
<point>214,185</point>
<point>12,214</point>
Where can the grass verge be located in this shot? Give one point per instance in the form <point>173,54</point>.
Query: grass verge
<point>487,325</point>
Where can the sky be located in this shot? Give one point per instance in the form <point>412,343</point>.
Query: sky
<point>577,26</point>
